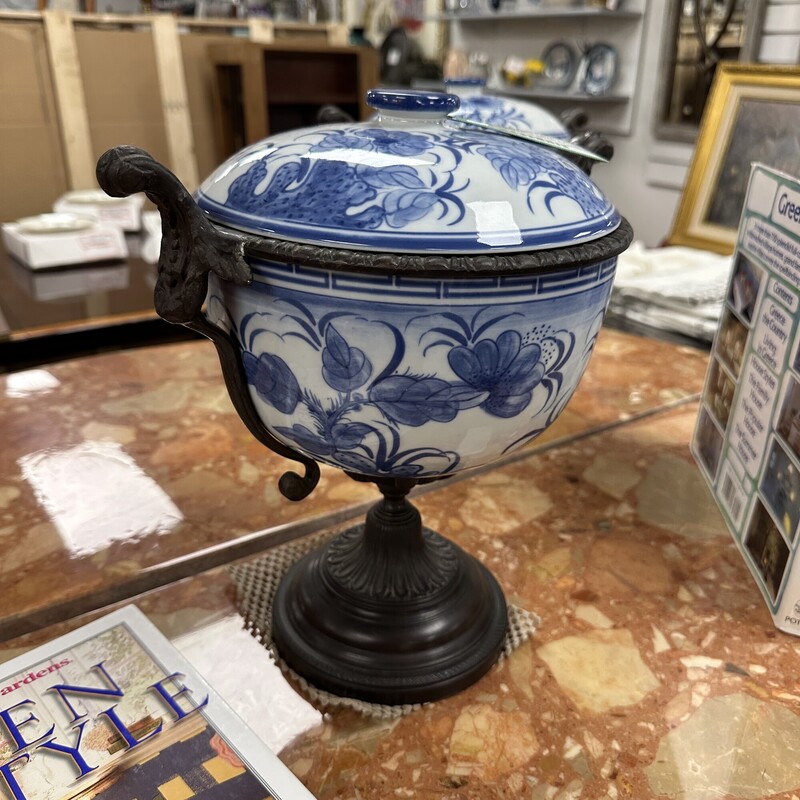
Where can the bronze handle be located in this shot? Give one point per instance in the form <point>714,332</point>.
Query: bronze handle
<point>191,247</point>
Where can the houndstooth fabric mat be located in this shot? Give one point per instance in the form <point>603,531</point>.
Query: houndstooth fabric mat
<point>257,581</point>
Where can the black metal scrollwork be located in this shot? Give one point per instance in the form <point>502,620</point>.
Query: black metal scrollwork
<point>191,247</point>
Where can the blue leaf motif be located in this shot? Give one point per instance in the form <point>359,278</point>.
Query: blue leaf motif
<point>516,172</point>
<point>273,380</point>
<point>368,219</point>
<point>494,112</point>
<point>465,396</point>
<point>403,206</point>
<point>400,175</point>
<point>306,439</point>
<point>409,400</point>
<point>400,143</point>
<point>344,368</point>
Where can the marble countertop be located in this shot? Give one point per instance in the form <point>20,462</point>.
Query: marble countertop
<point>655,672</point>
<point>131,470</point>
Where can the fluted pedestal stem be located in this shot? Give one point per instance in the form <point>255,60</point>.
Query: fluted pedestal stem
<point>389,611</point>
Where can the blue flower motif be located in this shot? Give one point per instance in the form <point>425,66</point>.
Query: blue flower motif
<point>516,167</point>
<point>273,380</point>
<point>493,111</point>
<point>379,140</point>
<point>341,140</point>
<point>344,368</point>
<point>411,400</point>
<point>504,368</point>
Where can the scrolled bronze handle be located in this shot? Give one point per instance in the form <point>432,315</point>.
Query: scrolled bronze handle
<point>191,247</point>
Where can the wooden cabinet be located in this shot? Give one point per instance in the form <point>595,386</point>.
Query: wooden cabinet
<point>265,89</point>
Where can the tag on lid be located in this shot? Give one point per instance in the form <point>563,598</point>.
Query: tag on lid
<point>528,136</point>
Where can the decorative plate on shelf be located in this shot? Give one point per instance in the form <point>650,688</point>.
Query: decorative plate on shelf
<point>560,64</point>
<point>598,69</point>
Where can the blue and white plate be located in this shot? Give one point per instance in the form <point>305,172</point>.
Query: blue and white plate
<point>599,69</point>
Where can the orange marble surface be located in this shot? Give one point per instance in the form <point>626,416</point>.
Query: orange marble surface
<point>131,470</point>
<point>655,673</point>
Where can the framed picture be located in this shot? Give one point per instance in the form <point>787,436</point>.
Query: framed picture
<point>752,114</point>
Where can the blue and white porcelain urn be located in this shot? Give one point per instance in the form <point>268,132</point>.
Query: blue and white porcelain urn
<point>402,299</point>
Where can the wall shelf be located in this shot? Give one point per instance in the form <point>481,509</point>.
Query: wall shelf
<point>528,30</point>
<point>559,95</point>
<point>540,13</point>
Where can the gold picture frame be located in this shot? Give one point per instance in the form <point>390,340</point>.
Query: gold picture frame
<point>752,114</point>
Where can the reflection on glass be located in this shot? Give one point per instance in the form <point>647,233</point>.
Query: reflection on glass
<point>495,223</point>
<point>31,381</point>
<point>96,494</point>
<point>62,284</point>
<point>240,669</point>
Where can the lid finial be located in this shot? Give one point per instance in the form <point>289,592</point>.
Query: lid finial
<point>405,102</point>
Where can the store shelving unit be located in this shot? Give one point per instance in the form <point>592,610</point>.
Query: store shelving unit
<point>558,95</point>
<point>527,31</point>
<point>539,12</point>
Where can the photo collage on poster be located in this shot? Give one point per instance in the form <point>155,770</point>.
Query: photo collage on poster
<point>773,526</point>
<point>768,532</point>
<point>747,436</point>
<point>726,362</point>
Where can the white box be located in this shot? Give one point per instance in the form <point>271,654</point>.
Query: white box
<point>42,250</point>
<point>121,212</point>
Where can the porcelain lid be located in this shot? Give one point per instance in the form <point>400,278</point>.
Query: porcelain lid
<point>408,183</point>
<point>520,115</point>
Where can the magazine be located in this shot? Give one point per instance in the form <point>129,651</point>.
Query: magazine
<point>113,711</point>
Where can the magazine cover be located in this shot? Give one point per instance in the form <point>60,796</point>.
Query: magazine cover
<point>113,711</point>
<point>747,439</point>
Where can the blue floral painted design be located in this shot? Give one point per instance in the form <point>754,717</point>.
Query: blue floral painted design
<point>273,380</point>
<point>379,140</point>
<point>359,422</point>
<point>290,184</point>
<point>503,368</point>
<point>344,368</point>
<point>515,165</point>
<point>493,111</point>
<point>414,400</point>
<point>329,190</point>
